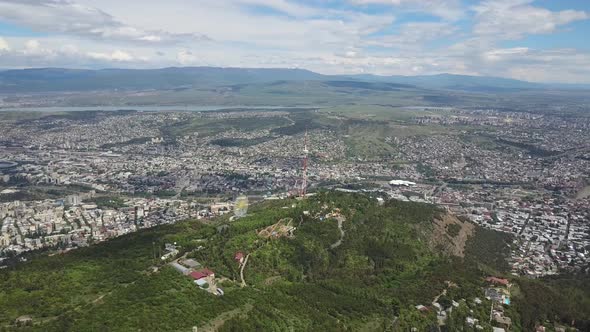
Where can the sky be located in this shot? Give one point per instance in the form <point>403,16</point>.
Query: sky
<point>540,41</point>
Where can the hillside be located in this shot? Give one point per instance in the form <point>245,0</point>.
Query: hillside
<point>61,79</point>
<point>44,80</point>
<point>349,264</point>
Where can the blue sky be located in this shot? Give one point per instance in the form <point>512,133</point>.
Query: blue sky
<point>542,40</point>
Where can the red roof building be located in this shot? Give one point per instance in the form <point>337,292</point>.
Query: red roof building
<point>497,281</point>
<point>201,274</point>
<point>239,257</point>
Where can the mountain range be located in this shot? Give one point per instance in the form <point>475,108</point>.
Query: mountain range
<point>43,80</point>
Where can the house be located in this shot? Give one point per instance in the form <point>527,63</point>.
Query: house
<point>201,274</point>
<point>504,321</point>
<point>437,306</point>
<point>493,294</point>
<point>239,257</point>
<point>24,320</point>
<point>399,183</point>
<point>180,268</point>
<point>471,321</point>
<point>202,283</point>
<point>220,208</point>
<point>169,255</point>
<point>191,263</point>
<point>497,281</point>
<point>422,308</point>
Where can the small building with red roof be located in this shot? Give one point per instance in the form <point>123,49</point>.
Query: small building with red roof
<point>497,281</point>
<point>200,274</point>
<point>239,257</point>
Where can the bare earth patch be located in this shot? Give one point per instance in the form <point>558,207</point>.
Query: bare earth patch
<point>452,245</point>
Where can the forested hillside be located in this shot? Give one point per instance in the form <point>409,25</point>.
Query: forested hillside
<point>367,276</point>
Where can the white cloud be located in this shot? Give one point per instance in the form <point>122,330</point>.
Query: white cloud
<point>283,6</point>
<point>72,18</point>
<point>505,19</point>
<point>4,45</point>
<point>59,52</point>
<point>186,58</point>
<point>414,35</point>
<point>117,56</point>
<point>226,22</point>
<point>32,45</point>
<point>500,54</point>
<point>446,9</point>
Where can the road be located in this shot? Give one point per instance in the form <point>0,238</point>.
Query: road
<point>242,270</point>
<point>339,242</point>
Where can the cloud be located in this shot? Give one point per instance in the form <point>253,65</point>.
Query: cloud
<point>501,54</point>
<point>414,35</point>
<point>185,58</point>
<point>4,45</point>
<point>117,56</point>
<point>557,65</point>
<point>286,7</point>
<point>58,53</point>
<point>32,45</point>
<point>71,18</point>
<point>506,19</point>
<point>447,9</point>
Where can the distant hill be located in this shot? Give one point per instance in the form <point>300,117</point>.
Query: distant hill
<point>458,82</point>
<point>63,80</point>
<point>466,82</point>
<point>59,79</point>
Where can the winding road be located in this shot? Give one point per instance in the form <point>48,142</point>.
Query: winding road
<point>242,270</point>
<point>339,242</point>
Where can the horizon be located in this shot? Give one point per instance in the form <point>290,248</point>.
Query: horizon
<point>535,41</point>
<point>351,75</point>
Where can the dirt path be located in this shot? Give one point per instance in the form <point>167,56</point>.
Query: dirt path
<point>218,321</point>
<point>339,242</point>
<point>444,292</point>
<point>242,270</point>
<point>41,321</point>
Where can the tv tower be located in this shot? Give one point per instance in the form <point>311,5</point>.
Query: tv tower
<point>305,154</point>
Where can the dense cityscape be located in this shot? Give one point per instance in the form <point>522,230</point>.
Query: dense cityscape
<point>69,181</point>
